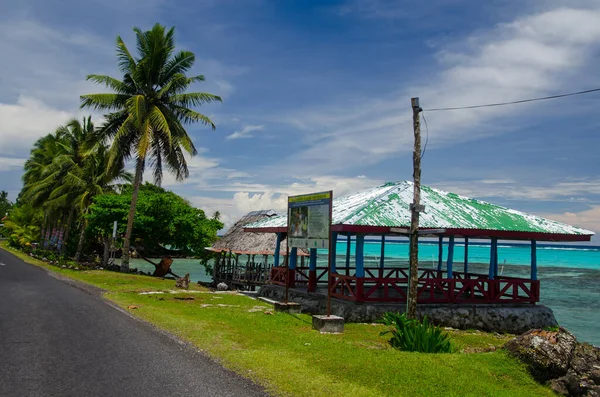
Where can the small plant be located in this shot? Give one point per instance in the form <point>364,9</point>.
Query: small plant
<point>416,336</point>
<point>552,329</point>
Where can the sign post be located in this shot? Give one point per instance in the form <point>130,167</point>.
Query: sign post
<point>309,226</point>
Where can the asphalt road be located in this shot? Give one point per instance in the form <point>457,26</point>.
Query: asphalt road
<point>58,340</point>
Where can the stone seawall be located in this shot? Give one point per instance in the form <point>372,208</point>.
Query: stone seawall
<point>514,319</point>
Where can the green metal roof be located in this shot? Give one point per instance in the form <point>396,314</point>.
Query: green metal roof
<point>389,205</point>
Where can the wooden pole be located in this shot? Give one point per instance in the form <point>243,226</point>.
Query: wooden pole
<point>287,267</point>
<point>332,247</point>
<point>411,302</point>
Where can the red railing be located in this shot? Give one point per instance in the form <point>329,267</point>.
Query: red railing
<point>435,287</point>
<point>281,276</point>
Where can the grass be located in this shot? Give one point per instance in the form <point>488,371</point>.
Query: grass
<point>283,353</point>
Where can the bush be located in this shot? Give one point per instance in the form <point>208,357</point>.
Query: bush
<point>416,336</point>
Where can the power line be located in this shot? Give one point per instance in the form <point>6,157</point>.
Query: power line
<point>515,102</point>
<point>426,139</point>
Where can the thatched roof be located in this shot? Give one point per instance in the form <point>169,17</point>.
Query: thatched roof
<point>245,243</point>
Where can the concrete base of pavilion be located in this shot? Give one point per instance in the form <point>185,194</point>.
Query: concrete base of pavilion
<point>502,318</point>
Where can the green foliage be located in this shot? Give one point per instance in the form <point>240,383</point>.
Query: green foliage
<point>22,225</point>
<point>64,172</point>
<point>149,106</point>
<point>416,336</point>
<point>147,110</point>
<point>162,219</point>
<point>5,204</point>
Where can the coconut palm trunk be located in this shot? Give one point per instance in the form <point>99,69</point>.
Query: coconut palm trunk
<point>81,241</point>
<point>106,254</point>
<point>139,169</point>
<point>63,249</point>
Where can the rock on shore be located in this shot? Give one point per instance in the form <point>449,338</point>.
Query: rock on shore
<point>572,368</point>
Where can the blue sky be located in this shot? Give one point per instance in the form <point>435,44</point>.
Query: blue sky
<point>317,94</point>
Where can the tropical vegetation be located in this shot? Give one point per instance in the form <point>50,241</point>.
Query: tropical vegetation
<point>412,335</point>
<point>165,223</point>
<point>147,110</point>
<point>75,184</point>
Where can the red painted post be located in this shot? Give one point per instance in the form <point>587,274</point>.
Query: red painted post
<point>359,291</point>
<point>312,280</point>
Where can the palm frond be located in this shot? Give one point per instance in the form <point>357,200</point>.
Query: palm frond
<point>125,60</point>
<point>194,99</point>
<point>104,101</point>
<point>159,123</point>
<point>118,86</point>
<point>189,116</point>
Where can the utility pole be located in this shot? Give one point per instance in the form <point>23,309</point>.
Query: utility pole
<point>413,280</point>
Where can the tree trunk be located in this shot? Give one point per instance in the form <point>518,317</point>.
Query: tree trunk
<point>47,234</point>
<point>139,169</point>
<point>81,240</point>
<point>107,241</point>
<point>63,249</point>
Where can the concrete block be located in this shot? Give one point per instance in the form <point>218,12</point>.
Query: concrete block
<point>328,324</point>
<point>290,307</point>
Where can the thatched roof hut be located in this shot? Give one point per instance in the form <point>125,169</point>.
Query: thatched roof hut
<point>245,243</point>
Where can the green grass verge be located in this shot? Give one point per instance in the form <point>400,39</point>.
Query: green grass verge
<point>283,353</point>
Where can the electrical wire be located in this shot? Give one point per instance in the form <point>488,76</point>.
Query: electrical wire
<point>427,136</point>
<point>515,102</point>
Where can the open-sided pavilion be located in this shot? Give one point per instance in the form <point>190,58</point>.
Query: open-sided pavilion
<point>384,211</point>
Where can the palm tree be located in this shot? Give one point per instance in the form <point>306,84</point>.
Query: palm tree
<point>38,181</point>
<point>84,181</point>
<point>51,160</point>
<point>148,109</point>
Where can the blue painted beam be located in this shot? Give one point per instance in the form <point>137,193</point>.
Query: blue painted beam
<point>450,261</point>
<point>312,260</point>
<point>360,255</point>
<point>381,259</point>
<point>533,260</point>
<point>440,253</point>
<point>466,270</point>
<point>277,250</point>
<point>293,257</point>
<point>493,259</point>
<point>332,251</point>
<point>348,247</point>
<point>495,244</point>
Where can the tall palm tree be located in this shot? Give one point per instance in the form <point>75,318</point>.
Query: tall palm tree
<point>148,109</point>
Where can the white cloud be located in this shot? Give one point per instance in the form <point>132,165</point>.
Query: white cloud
<point>245,132</point>
<point>531,56</point>
<point>588,219</point>
<point>26,121</point>
<point>567,190</point>
<point>10,163</point>
<point>253,197</point>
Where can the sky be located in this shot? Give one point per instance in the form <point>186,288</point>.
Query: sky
<point>316,94</point>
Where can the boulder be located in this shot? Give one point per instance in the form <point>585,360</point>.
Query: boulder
<point>183,282</point>
<point>547,353</point>
<point>583,376</point>
<point>572,368</point>
<point>222,287</point>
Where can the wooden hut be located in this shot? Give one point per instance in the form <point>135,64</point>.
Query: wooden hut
<point>246,259</point>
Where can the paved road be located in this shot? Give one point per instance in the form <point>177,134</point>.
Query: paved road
<point>57,340</point>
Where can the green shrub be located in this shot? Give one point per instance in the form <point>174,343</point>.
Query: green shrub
<point>416,336</point>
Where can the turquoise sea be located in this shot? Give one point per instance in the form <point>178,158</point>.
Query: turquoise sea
<point>569,275</point>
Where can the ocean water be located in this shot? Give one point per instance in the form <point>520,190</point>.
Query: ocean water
<point>569,276</point>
